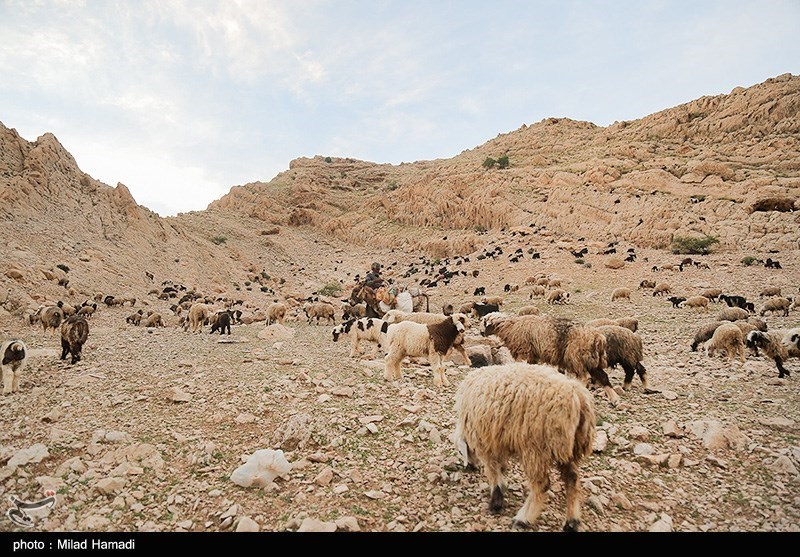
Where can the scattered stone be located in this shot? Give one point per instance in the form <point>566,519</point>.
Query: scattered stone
<point>109,486</point>
<point>52,416</point>
<point>669,395</point>
<point>594,502</point>
<point>639,433</point>
<point>375,494</point>
<point>643,449</point>
<point>247,524</point>
<point>718,462</point>
<point>434,436</point>
<point>714,436</point>
<point>314,525</point>
<point>32,455</point>
<point>372,428</point>
<point>371,419</point>
<point>295,433</point>
<point>174,394</point>
<point>117,437</point>
<point>245,418</point>
<point>671,429</point>
<point>621,501</point>
<point>779,423</point>
<point>261,468</point>
<point>674,460</point>
<point>653,460</point>
<point>276,332</point>
<point>318,457</point>
<point>324,477</point>
<point>663,524</point>
<point>783,465</point>
<point>341,488</point>
<point>343,391</point>
<point>348,524</point>
<point>600,441</point>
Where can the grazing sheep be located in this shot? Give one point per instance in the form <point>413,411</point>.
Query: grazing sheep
<point>554,283</point>
<point>537,292</point>
<point>770,291</point>
<point>533,413</point>
<point>629,323</point>
<point>727,338</point>
<point>791,340</point>
<point>366,328</point>
<point>647,284</point>
<point>676,301</point>
<point>772,345</point>
<point>621,294</point>
<point>222,322</point>
<point>528,310</point>
<point>74,332</point>
<point>732,314</point>
<point>695,302</point>
<point>575,348</point>
<point>774,305</point>
<point>87,311</point>
<point>447,309</point>
<point>704,333</point>
<point>479,310</point>
<point>434,341</point>
<point>466,308</point>
<point>480,291</point>
<point>531,280</point>
<point>66,308</point>
<point>712,294</point>
<point>13,357</point>
<point>155,320</point>
<point>557,296</point>
<point>661,289</point>
<point>493,300</point>
<point>276,313</point>
<point>198,313</point>
<point>317,310</point>
<point>51,318</point>
<point>356,311</point>
<point>135,318</point>
<point>624,348</point>
<point>397,316</point>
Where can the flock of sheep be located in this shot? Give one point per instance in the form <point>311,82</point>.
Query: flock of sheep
<point>532,404</point>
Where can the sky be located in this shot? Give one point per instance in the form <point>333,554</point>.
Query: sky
<point>181,100</point>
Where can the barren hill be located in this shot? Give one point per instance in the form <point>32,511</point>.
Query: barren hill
<point>717,165</point>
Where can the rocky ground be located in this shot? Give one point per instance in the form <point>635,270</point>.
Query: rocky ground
<point>144,433</point>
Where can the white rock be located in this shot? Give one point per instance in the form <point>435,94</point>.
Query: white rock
<point>276,332</point>
<point>245,418</point>
<point>324,477</point>
<point>663,524</point>
<point>375,494</point>
<point>600,441</point>
<point>341,488</point>
<point>261,468</point>
<point>348,524</point>
<point>643,449</point>
<point>247,524</point>
<point>372,428</point>
<point>108,486</point>
<point>117,437</point>
<point>671,429</point>
<point>175,394</point>
<point>32,455</point>
<point>434,436</point>
<point>638,432</point>
<point>669,395</point>
<point>783,465</point>
<point>314,525</point>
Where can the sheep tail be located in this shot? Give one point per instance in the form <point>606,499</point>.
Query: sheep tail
<point>585,431</point>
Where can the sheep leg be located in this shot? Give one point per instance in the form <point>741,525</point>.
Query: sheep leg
<point>392,370</point>
<point>782,371</point>
<point>497,485</point>
<point>64,349</point>
<point>354,347</point>
<point>15,383</point>
<point>629,373</point>
<point>8,381</point>
<point>569,474</point>
<point>538,484</point>
<point>601,377</point>
<point>439,376</point>
<point>642,372</point>
<point>463,352</point>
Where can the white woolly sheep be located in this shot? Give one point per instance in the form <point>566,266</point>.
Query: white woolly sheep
<point>13,357</point>
<point>535,414</point>
<point>557,296</point>
<point>276,313</point>
<point>630,323</point>
<point>198,313</point>
<point>621,294</point>
<point>528,310</point>
<point>554,283</point>
<point>727,338</point>
<point>776,305</point>
<point>366,328</point>
<point>695,302</point>
<point>317,310</point>
<point>397,316</point>
<point>434,341</point>
<point>772,345</point>
<point>791,340</point>
<point>661,289</point>
<point>624,348</point>
<point>570,346</point>
<point>87,311</point>
<point>496,300</point>
<point>732,314</point>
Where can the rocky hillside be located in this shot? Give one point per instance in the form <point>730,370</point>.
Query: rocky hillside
<point>724,165</point>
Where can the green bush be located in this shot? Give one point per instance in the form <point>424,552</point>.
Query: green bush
<point>265,288</point>
<point>331,289</point>
<point>489,162</point>
<point>579,261</point>
<point>502,162</point>
<point>219,240</point>
<point>63,267</point>
<point>328,159</point>
<point>748,260</point>
<point>692,245</point>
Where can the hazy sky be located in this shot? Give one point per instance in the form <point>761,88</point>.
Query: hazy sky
<point>180,100</point>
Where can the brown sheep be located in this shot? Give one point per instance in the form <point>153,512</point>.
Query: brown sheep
<point>661,289</point>
<point>575,348</point>
<point>621,294</point>
<point>51,318</point>
<point>695,302</point>
<point>154,320</point>
<point>557,296</point>
<point>712,294</point>
<point>276,313</point>
<point>74,332</point>
<point>528,310</point>
<point>777,305</point>
<point>727,338</point>
<point>198,313</point>
<point>770,291</point>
